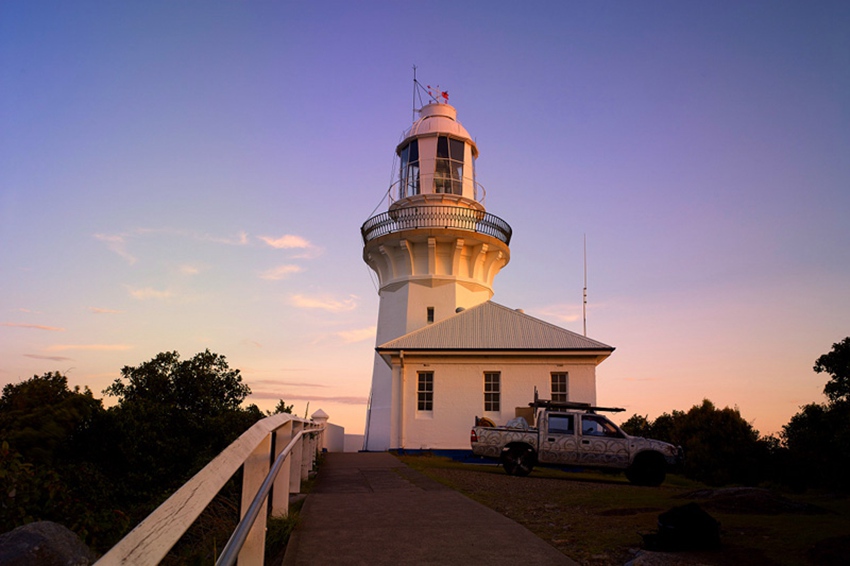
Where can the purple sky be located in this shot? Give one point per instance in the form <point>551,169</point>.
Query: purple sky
<point>190,175</point>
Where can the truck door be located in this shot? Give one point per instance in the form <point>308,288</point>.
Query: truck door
<point>601,443</point>
<point>558,444</point>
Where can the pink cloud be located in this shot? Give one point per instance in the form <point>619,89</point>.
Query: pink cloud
<point>33,326</point>
<point>287,241</point>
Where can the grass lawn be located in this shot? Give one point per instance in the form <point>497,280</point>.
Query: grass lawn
<point>597,518</point>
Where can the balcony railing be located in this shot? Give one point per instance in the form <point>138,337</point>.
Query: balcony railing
<point>435,216</point>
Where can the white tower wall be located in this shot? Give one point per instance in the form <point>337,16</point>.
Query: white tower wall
<point>434,249</point>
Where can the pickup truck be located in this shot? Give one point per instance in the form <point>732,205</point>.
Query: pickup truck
<point>573,434</point>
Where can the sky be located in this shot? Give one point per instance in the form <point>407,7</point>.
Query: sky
<point>193,175</point>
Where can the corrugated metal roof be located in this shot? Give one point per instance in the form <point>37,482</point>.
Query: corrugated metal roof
<point>490,326</point>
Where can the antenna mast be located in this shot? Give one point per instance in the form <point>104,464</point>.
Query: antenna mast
<point>584,293</point>
<point>413,117</point>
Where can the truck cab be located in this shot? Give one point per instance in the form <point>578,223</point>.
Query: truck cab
<point>573,434</point>
<point>577,438</point>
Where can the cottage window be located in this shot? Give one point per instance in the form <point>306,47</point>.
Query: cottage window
<point>425,391</point>
<point>430,313</point>
<point>559,386</point>
<point>492,391</point>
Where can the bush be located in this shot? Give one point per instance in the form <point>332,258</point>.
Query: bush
<point>720,446</point>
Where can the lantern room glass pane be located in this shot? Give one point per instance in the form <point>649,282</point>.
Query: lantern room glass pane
<point>448,176</point>
<point>409,171</point>
<point>456,150</point>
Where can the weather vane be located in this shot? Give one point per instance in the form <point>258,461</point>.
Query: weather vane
<point>444,94</point>
<point>435,94</point>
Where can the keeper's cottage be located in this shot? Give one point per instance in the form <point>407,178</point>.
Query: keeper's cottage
<point>445,353</point>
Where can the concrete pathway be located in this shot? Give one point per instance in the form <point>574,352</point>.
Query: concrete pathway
<point>369,508</point>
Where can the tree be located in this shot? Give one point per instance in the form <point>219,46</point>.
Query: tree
<point>720,446</point>
<point>637,425</point>
<point>816,441</point>
<point>173,416</point>
<point>282,407</point>
<point>837,364</point>
<point>43,419</point>
<point>65,458</point>
<point>203,385</point>
<point>50,434</point>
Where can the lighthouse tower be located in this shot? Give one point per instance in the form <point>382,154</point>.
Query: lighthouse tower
<point>436,250</point>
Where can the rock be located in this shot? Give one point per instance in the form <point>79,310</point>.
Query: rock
<point>687,527</point>
<point>43,543</point>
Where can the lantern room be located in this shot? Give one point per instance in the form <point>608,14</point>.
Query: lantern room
<point>436,157</point>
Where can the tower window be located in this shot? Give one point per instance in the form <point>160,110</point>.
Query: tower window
<point>559,386</point>
<point>409,171</point>
<point>425,391</point>
<point>492,391</point>
<point>430,315</point>
<point>448,178</point>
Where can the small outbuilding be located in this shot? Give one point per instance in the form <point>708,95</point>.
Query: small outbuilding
<point>484,361</point>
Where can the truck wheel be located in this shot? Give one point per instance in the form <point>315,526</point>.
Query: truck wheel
<point>518,460</point>
<point>649,468</point>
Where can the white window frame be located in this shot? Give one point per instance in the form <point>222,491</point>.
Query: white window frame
<point>560,391</point>
<point>425,391</point>
<point>492,391</point>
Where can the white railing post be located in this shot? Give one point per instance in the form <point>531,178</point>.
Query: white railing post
<point>254,472</point>
<point>294,460</point>
<point>321,419</point>
<point>306,456</point>
<point>280,488</point>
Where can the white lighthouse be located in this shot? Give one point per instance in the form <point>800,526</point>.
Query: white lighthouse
<point>445,353</point>
<point>436,250</point>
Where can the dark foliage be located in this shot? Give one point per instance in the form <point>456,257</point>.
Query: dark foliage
<point>837,364</point>
<point>43,419</point>
<point>45,470</point>
<point>720,446</point>
<point>99,471</point>
<point>173,416</point>
<point>813,449</point>
<point>282,407</point>
<point>817,447</point>
<point>816,441</point>
<point>638,425</point>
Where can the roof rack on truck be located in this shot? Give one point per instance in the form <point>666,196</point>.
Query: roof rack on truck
<point>549,404</point>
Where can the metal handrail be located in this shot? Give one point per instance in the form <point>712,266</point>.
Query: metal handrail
<point>230,553</point>
<point>435,216</point>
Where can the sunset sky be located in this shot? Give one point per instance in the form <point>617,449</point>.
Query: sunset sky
<point>189,175</point>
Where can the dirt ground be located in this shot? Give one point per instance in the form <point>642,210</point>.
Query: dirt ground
<point>600,520</point>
